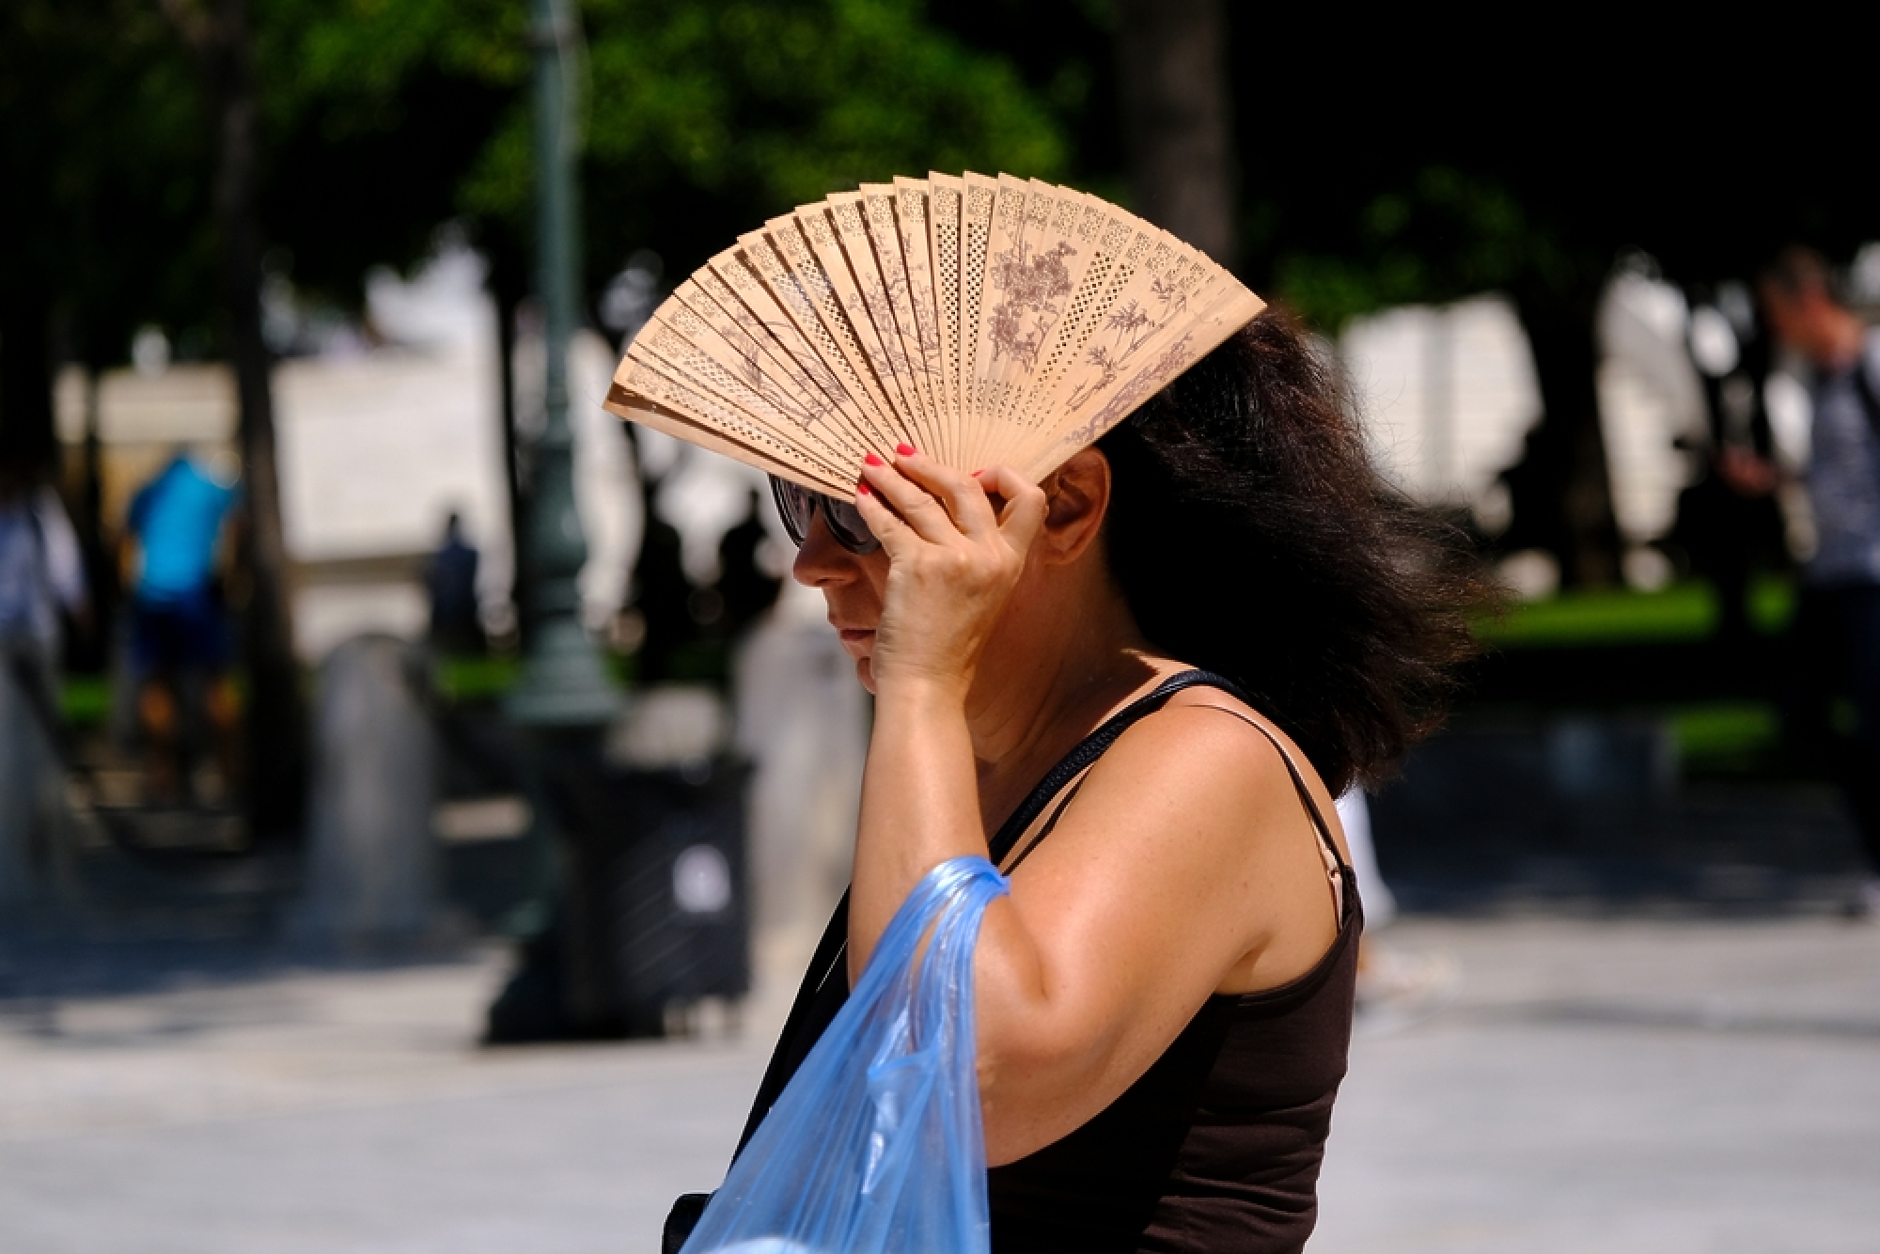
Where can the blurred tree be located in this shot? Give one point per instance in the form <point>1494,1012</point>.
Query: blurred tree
<point>1178,119</point>
<point>1444,234</point>
<point>1400,159</point>
<point>1422,162</point>
<point>701,117</point>
<point>706,117</point>
<point>102,151</point>
<point>102,156</point>
<point>221,35</point>
<point>161,158</point>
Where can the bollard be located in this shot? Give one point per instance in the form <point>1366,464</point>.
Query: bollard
<point>372,862</point>
<point>37,854</point>
<point>19,743</point>
<point>803,718</point>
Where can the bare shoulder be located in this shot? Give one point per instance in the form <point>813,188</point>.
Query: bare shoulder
<point>1208,770</point>
<point>1212,741</point>
<point>1190,839</point>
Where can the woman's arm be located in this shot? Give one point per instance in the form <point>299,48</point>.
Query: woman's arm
<point>954,563</point>
<point>1186,859</point>
<point>1185,866</point>
<point>1185,856</point>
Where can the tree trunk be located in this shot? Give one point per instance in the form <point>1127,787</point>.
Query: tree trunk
<point>1560,489</point>
<point>27,437</point>
<point>93,651</point>
<point>1178,119</point>
<point>275,723</point>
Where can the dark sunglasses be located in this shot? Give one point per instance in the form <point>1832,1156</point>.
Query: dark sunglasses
<point>798,505</point>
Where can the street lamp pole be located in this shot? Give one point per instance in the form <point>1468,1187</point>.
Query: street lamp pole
<point>563,685</point>
<point>563,695</point>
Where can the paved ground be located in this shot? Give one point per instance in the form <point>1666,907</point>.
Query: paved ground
<point>1673,1087</point>
<point>1662,1086</point>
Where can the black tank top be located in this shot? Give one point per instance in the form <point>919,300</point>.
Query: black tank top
<point>1218,1145</point>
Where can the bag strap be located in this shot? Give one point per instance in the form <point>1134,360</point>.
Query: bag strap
<point>804,1008</point>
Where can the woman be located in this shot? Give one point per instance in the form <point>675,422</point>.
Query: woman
<point>1195,634</point>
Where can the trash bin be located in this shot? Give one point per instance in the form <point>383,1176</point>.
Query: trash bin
<point>655,907</point>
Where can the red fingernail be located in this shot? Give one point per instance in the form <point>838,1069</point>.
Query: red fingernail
<point>978,473</point>
<point>872,460</point>
<point>864,489</point>
<point>905,450</point>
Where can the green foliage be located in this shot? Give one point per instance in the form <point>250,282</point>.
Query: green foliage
<point>1725,736</point>
<point>105,148</point>
<point>1682,612</point>
<point>1446,235</point>
<point>701,118</point>
<point>382,119</point>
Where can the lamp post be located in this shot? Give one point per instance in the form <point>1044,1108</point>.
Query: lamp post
<point>563,685</point>
<point>563,696</point>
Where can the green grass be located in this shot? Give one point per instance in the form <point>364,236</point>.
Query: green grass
<point>85,700</point>
<point>490,678</point>
<point>1682,613</point>
<point>1720,732</point>
<point>476,678</point>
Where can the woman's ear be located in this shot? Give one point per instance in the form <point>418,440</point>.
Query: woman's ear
<point>1077,496</point>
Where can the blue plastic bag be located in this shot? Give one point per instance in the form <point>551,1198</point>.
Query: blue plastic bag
<point>875,1146</point>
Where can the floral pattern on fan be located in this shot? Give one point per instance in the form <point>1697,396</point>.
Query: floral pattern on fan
<point>1031,285</point>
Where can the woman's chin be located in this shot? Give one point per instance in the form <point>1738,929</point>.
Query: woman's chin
<point>865,672</point>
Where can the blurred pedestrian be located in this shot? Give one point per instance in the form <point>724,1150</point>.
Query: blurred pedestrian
<point>450,580</point>
<point>662,595</point>
<point>180,647</point>
<point>1836,633</point>
<point>1391,980</point>
<point>747,588</point>
<point>42,576</point>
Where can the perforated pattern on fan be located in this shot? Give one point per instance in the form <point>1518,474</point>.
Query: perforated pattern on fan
<point>675,388</point>
<point>786,284</point>
<point>946,227</point>
<point>976,219</point>
<point>675,348</point>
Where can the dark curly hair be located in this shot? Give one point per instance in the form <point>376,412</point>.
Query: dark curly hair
<point>1251,535</point>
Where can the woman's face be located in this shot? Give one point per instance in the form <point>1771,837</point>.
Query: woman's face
<point>852,586</point>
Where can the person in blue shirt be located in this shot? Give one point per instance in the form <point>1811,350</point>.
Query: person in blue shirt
<point>179,642</point>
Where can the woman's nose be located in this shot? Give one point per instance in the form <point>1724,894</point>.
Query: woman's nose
<point>820,560</point>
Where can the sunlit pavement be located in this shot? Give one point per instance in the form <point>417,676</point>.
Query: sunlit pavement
<point>1583,1085</point>
<point>1671,1087</point>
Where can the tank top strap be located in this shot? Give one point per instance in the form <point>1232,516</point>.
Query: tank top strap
<point>1093,746</point>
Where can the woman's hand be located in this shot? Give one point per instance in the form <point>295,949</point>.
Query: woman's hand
<point>957,546</point>
<point>954,560</point>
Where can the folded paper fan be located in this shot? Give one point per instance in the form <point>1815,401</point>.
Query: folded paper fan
<point>981,320</point>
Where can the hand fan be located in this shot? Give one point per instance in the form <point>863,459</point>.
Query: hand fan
<point>981,320</point>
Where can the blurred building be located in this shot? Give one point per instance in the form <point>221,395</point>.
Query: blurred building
<point>1448,393</point>
<point>380,437</point>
